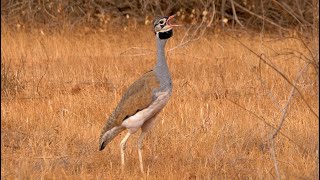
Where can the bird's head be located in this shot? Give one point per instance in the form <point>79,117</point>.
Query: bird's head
<point>105,139</point>
<point>163,27</point>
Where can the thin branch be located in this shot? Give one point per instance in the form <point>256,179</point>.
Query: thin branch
<point>260,17</point>
<point>222,12</point>
<point>193,38</point>
<point>285,108</point>
<point>136,48</point>
<point>47,67</point>
<point>48,13</point>
<point>273,153</point>
<point>280,73</point>
<point>142,54</point>
<point>266,123</point>
<point>263,82</point>
<point>185,35</point>
<point>310,52</point>
<point>213,13</point>
<point>235,13</point>
<point>51,157</point>
<point>287,8</point>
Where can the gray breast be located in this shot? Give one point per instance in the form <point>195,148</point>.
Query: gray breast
<point>164,78</point>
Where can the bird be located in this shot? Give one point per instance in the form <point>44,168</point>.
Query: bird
<point>144,99</point>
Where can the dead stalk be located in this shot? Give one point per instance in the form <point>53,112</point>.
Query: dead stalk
<point>285,108</point>
<point>193,36</point>
<point>235,13</point>
<point>275,162</point>
<point>264,60</point>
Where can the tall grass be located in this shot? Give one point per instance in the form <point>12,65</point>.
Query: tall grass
<point>72,81</point>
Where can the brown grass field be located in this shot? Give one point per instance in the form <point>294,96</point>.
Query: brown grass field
<point>61,87</point>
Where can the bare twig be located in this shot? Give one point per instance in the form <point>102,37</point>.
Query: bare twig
<point>137,48</point>
<point>235,13</point>
<point>51,157</point>
<point>268,124</point>
<point>287,8</point>
<point>263,16</point>
<point>280,73</point>
<point>47,67</point>
<point>260,17</point>
<point>285,108</point>
<point>222,11</point>
<point>25,98</point>
<point>185,34</point>
<point>273,154</point>
<point>45,9</point>
<point>213,13</point>
<point>193,36</point>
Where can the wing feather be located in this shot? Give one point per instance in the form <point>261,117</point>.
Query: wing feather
<point>137,97</point>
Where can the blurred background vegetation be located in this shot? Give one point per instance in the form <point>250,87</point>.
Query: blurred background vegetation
<point>254,14</point>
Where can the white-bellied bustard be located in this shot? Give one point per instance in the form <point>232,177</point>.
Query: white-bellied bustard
<point>144,99</point>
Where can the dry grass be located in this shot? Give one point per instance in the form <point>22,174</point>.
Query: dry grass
<point>50,129</point>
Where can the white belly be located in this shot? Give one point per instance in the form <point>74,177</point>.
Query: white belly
<point>134,122</point>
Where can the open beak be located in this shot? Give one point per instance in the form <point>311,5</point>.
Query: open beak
<point>169,23</point>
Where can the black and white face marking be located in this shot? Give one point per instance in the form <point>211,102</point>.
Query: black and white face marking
<point>165,35</point>
<point>160,24</point>
<point>162,21</point>
<point>163,28</point>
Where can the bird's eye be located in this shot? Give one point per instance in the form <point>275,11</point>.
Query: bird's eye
<point>161,22</point>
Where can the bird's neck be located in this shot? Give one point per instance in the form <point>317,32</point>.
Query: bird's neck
<point>161,68</point>
<point>161,58</point>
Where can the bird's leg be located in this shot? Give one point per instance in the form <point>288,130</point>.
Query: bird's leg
<point>123,144</point>
<point>144,129</point>
<point>140,149</point>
